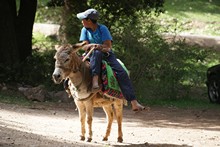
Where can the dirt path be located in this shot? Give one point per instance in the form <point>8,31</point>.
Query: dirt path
<point>57,125</point>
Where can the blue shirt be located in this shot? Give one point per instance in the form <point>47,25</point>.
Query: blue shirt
<point>100,35</point>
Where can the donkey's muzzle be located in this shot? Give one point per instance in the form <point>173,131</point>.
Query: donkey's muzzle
<point>57,78</point>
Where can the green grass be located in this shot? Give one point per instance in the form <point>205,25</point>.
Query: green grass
<point>183,8</point>
<point>197,17</point>
<point>185,103</point>
<point>13,97</point>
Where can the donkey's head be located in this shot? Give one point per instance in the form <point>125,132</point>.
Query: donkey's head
<point>67,61</point>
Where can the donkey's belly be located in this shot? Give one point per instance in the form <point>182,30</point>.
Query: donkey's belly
<point>80,94</point>
<point>101,101</point>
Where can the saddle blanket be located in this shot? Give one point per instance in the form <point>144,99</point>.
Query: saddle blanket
<point>109,81</point>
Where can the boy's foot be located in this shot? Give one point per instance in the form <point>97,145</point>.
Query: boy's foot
<point>142,109</point>
<point>138,107</point>
<point>95,84</point>
<point>95,88</point>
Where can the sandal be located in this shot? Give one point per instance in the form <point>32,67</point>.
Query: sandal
<point>142,109</point>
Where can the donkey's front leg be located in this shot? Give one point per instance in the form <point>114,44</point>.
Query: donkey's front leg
<point>109,115</point>
<point>82,116</point>
<point>89,115</point>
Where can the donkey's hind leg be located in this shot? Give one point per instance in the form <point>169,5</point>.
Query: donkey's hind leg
<point>109,115</point>
<point>118,106</point>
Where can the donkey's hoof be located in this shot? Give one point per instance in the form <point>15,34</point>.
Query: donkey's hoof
<point>89,139</point>
<point>120,139</point>
<point>105,139</point>
<point>82,138</point>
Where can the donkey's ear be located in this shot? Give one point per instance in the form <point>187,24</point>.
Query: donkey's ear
<point>57,47</point>
<point>77,46</point>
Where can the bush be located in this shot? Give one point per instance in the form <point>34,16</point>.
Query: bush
<point>160,69</point>
<point>36,69</point>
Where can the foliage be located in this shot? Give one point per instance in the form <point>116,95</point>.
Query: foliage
<point>41,67</point>
<point>36,69</point>
<point>199,6</point>
<point>13,97</point>
<point>197,17</point>
<point>48,14</point>
<point>184,103</point>
<point>41,42</point>
<point>160,69</point>
<point>119,11</point>
<point>112,11</point>
<point>54,3</point>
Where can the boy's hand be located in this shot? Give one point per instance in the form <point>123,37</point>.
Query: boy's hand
<point>89,46</point>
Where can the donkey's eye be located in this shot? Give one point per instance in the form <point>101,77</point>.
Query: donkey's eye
<point>66,60</point>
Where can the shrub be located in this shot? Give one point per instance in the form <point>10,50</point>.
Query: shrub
<point>160,69</point>
<point>36,69</point>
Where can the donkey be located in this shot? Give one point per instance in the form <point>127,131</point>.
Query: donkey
<point>69,64</point>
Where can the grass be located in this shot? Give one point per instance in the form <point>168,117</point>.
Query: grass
<point>13,97</point>
<point>197,17</point>
<point>184,103</point>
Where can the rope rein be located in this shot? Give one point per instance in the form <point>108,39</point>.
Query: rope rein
<point>84,72</point>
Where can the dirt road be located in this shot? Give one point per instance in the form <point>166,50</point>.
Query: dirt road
<point>49,125</point>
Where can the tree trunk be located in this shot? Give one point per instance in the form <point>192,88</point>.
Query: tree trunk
<point>8,46</point>
<point>24,27</point>
<point>71,24</point>
<point>16,31</point>
<point>15,36</point>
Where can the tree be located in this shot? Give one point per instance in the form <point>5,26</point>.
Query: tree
<point>16,31</point>
<point>112,12</point>
<point>24,27</point>
<point>8,46</point>
<point>71,25</point>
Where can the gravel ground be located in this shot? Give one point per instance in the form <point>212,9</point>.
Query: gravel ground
<point>49,125</point>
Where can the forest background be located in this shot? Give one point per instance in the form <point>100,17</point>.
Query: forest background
<point>173,70</point>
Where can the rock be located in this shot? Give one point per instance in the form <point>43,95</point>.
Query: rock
<point>39,93</point>
<point>4,88</point>
<point>62,95</point>
<point>35,94</point>
<point>11,86</point>
<point>201,40</point>
<point>47,29</point>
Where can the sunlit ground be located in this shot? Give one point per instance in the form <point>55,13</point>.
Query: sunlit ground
<point>48,127</point>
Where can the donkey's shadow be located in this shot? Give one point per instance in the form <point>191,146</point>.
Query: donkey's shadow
<point>151,145</point>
